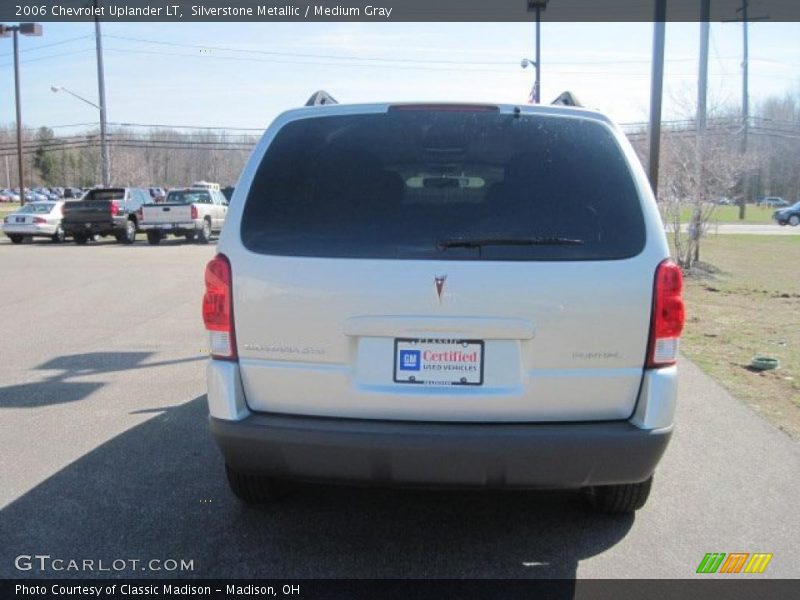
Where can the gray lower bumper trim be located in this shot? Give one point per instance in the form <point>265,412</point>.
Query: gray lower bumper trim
<point>568,455</point>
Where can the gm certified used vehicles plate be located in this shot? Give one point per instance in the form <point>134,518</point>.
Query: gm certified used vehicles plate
<point>443,295</point>
<point>442,362</point>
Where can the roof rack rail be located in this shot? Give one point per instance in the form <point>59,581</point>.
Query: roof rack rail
<point>567,99</point>
<point>320,98</point>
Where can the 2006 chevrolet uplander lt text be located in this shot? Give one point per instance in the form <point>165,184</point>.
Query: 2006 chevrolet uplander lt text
<point>444,295</point>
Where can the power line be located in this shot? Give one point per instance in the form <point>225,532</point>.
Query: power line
<point>43,46</point>
<point>47,57</point>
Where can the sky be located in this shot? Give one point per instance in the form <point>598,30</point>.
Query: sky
<point>242,75</point>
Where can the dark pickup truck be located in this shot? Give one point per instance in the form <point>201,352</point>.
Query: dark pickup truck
<point>105,211</point>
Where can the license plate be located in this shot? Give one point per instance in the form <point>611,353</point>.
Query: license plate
<point>438,361</point>
<point>88,225</point>
<point>20,219</point>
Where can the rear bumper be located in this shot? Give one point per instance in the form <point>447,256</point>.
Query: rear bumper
<point>524,455</point>
<point>439,454</point>
<point>187,226</point>
<point>118,225</point>
<point>29,229</point>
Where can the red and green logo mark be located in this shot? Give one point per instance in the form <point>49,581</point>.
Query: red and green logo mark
<point>736,562</point>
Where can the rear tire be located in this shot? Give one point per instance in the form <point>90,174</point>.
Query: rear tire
<point>153,237</point>
<point>58,236</point>
<point>620,499</point>
<point>80,238</point>
<point>794,220</point>
<point>16,239</point>
<point>204,235</point>
<point>254,489</point>
<point>129,236</point>
<point>189,237</point>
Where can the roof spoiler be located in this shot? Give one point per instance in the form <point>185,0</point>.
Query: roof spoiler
<point>567,99</point>
<point>320,98</point>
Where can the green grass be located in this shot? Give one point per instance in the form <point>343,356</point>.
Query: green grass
<point>730,214</point>
<point>750,307</point>
<point>7,208</point>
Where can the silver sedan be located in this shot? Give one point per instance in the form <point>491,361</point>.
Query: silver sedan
<point>35,219</point>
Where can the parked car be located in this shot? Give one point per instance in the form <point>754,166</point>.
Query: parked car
<point>788,216</point>
<point>34,196</point>
<point>35,219</point>
<point>105,211</point>
<point>72,193</point>
<point>772,201</point>
<point>190,213</point>
<point>8,196</point>
<point>443,295</point>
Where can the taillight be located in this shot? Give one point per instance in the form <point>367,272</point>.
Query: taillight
<point>194,211</point>
<point>39,220</point>
<point>218,308</point>
<point>140,214</point>
<point>666,321</point>
<point>114,208</point>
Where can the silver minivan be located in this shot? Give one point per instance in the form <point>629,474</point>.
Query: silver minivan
<point>443,295</point>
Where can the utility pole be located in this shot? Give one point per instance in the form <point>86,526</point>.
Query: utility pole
<point>745,79</point>
<point>24,29</point>
<point>656,92</point>
<point>702,93</point>
<point>19,120</point>
<point>101,84</point>
<point>745,95</point>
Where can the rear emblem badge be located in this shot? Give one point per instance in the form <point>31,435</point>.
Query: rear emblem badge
<point>439,281</point>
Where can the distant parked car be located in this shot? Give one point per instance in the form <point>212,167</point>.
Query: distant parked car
<point>788,216</point>
<point>724,202</point>
<point>73,193</point>
<point>8,196</point>
<point>35,219</point>
<point>772,201</point>
<point>34,196</point>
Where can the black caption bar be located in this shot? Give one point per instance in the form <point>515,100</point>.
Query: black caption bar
<point>734,588</point>
<point>380,10</point>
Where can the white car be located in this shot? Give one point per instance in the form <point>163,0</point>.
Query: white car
<point>35,219</point>
<point>444,295</point>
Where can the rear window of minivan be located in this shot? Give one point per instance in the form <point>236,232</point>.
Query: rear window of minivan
<point>444,185</point>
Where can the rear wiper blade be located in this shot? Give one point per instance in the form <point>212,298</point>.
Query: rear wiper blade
<point>502,241</point>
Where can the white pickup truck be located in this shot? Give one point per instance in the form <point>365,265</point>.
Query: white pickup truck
<point>191,212</point>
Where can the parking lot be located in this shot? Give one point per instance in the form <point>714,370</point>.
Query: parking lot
<point>106,456</point>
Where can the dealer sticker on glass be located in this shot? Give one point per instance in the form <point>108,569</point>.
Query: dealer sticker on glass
<point>438,361</point>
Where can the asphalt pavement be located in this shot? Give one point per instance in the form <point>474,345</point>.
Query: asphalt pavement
<point>106,457</point>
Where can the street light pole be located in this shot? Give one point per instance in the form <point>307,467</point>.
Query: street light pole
<point>19,119</point>
<point>537,85</point>
<point>103,145</point>
<point>25,29</point>
<point>61,88</point>
<point>101,84</point>
<point>537,6</point>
